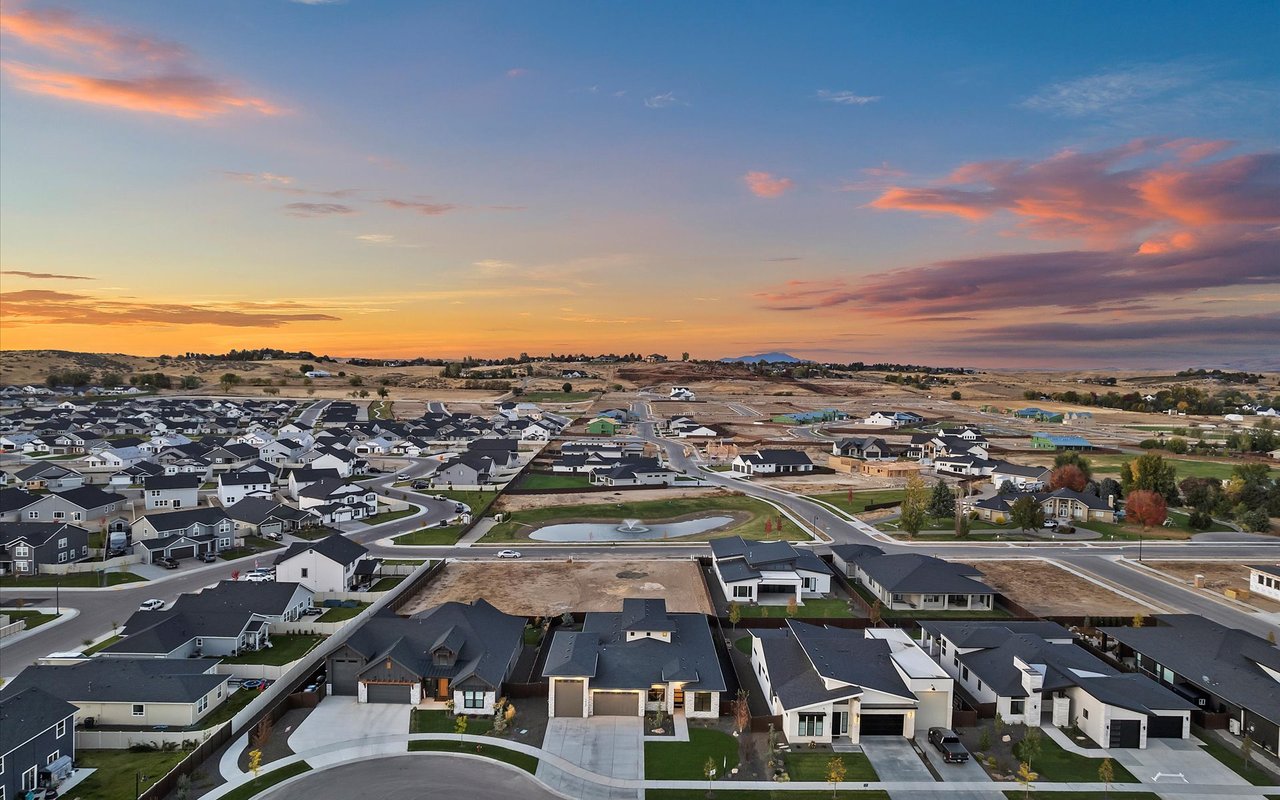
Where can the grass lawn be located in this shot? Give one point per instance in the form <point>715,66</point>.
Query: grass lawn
<point>96,540</point>
<point>531,635</point>
<point>861,498</point>
<point>116,770</point>
<point>813,766</point>
<point>555,397</point>
<point>252,546</point>
<point>1232,758</point>
<point>764,794</point>
<point>524,761</point>
<point>743,644</point>
<point>1187,467</point>
<point>76,580</point>
<point>110,640</point>
<point>34,618</point>
<point>439,721</point>
<point>229,708</point>
<point>342,612</point>
<point>313,534</point>
<point>978,527</point>
<point>389,516</point>
<point>388,583</point>
<point>818,607</point>
<point>431,536</point>
<point>284,648</point>
<point>534,480</point>
<point>381,410</point>
<point>263,782</point>
<point>1058,766</point>
<point>478,502</point>
<point>683,761</point>
<point>404,562</point>
<point>521,523</point>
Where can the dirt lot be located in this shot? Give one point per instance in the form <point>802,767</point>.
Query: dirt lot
<point>523,502</point>
<point>544,587</point>
<point>1043,588</point>
<point>1218,575</point>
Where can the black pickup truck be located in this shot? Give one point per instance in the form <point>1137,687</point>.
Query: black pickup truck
<point>949,745</point>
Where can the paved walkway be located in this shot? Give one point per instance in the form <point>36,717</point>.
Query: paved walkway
<point>611,746</point>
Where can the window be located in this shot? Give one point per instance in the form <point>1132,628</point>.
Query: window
<point>59,515</point>
<point>33,515</point>
<point>21,551</point>
<point>52,757</point>
<point>304,572</point>
<point>62,557</point>
<point>473,699</point>
<point>979,685</point>
<point>202,704</point>
<point>1017,707</point>
<point>139,709</point>
<point>811,584</point>
<point>702,701</point>
<point>742,591</point>
<point>199,642</point>
<point>657,694</point>
<point>944,647</point>
<point>62,543</point>
<point>810,724</point>
<point>77,516</point>
<point>29,779</point>
<point>1085,712</point>
<point>964,673</point>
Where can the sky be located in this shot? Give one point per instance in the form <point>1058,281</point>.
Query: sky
<point>1001,184</point>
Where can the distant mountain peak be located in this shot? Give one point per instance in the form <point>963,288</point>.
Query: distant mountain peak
<point>772,358</point>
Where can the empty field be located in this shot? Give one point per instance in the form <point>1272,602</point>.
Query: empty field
<point>1043,588</point>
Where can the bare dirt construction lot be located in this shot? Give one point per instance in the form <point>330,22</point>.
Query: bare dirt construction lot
<point>1218,576</point>
<point>1043,588</point>
<point>524,502</point>
<point>541,588</point>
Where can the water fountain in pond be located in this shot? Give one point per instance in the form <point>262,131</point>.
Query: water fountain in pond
<point>631,526</point>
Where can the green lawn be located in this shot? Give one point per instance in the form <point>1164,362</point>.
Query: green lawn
<point>96,540</point>
<point>524,761</point>
<point>116,770</point>
<point>381,410</point>
<point>765,794</point>
<point>978,526</point>
<point>438,721</point>
<point>265,781</point>
<point>236,701</point>
<point>404,562</point>
<point>342,612</point>
<point>1232,758</point>
<point>76,580</point>
<point>861,498</point>
<point>536,480</point>
<point>521,523</point>
<point>388,583</point>
<point>478,502</point>
<point>34,618</point>
<point>252,546</point>
<point>1058,766</point>
<point>1186,467</point>
<point>555,397</point>
<point>818,607</point>
<point>110,640</point>
<point>313,534</point>
<point>813,766</point>
<point>743,644</point>
<point>390,516</point>
<point>284,648</point>
<point>680,761</point>
<point>431,536</point>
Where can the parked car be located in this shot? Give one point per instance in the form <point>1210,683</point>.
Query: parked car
<point>209,558</point>
<point>459,509</point>
<point>312,612</point>
<point>1050,524</point>
<point>946,742</point>
<point>167,563</point>
<point>508,554</point>
<point>403,476</point>
<point>419,484</point>
<point>151,605</point>
<point>118,551</point>
<point>258,577</point>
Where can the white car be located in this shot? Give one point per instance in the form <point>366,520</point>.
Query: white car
<point>151,605</point>
<point>258,577</point>
<point>508,554</point>
<point>403,476</point>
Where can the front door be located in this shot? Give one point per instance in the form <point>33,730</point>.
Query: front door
<point>677,698</point>
<point>442,688</point>
<point>840,724</point>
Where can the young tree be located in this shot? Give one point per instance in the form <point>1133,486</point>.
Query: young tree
<point>460,727</point>
<point>255,761</point>
<point>914,505</point>
<point>229,379</point>
<point>709,770</point>
<point>1026,777</point>
<point>735,615</point>
<point>1026,513</point>
<point>1030,746</point>
<point>836,773</point>
<point>1139,620</point>
<point>1106,775</point>
<point>793,607</point>
<point>1147,507</point>
<point>383,392</point>
<point>955,395</point>
<point>876,613</point>
<point>942,503</point>
<point>962,526</point>
<point>1246,750</point>
<point>984,739</point>
<point>1007,487</point>
<point>741,711</point>
<point>1068,476</point>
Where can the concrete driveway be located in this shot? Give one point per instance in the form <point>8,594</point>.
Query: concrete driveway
<point>612,746</point>
<point>968,772</point>
<point>894,759</point>
<point>340,718</point>
<point>1164,760</point>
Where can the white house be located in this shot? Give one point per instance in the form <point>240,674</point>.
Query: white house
<point>235,486</point>
<point>171,491</point>
<point>773,462</point>
<point>1264,579</point>
<point>892,419</point>
<point>682,393</point>
<point>331,564</point>
<point>768,573</point>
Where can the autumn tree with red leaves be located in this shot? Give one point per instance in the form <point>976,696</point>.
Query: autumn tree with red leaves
<point>1146,507</point>
<point>1068,476</point>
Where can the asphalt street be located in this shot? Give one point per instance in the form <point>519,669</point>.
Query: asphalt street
<point>415,777</point>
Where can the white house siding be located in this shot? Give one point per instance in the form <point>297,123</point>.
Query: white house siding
<point>689,705</point>
<point>490,698</point>
<point>322,574</point>
<point>1265,584</point>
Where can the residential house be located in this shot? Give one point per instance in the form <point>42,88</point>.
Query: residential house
<point>641,659</point>
<point>892,419</point>
<point>171,491</point>
<point>833,685</point>
<point>37,732</point>
<point>336,500</point>
<point>773,462</point>
<point>1264,579</point>
<point>26,546</point>
<point>633,471</point>
<point>770,573</point>
<point>302,477</point>
<point>868,448</point>
<point>1023,478</point>
<point>682,393</point>
<point>51,477</point>
<point>1064,504</point>
<point>467,469</point>
<point>166,692</point>
<point>686,428</point>
<point>913,581</point>
<point>235,486</point>
<point>1049,441</point>
<point>14,502</point>
<point>332,564</point>
<point>87,504</point>
<point>604,426</point>
<point>1220,670</point>
<point>184,534</point>
<point>115,458</point>
<point>455,651</point>
<point>264,516</point>
<point>1033,673</point>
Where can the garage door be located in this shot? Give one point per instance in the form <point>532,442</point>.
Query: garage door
<point>387,692</point>
<point>1126,732</point>
<point>344,674</point>
<point>615,704</point>
<point>186,551</point>
<point>568,698</point>
<point>881,725</point>
<point>1159,727</point>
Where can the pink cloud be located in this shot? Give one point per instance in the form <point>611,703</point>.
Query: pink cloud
<point>766,184</point>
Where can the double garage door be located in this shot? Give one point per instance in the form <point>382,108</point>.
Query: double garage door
<point>1162,727</point>
<point>881,725</point>
<point>387,692</point>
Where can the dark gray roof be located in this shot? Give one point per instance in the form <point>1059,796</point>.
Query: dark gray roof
<point>743,559</point>
<point>1227,662</point>
<point>800,657</point>
<point>916,572</point>
<point>990,634</point>
<point>689,657</point>
<point>14,499</point>
<point>336,548</point>
<point>89,497</point>
<point>247,477</point>
<point>179,481</point>
<point>181,520</point>
<point>35,533</point>
<point>224,610</point>
<point>125,680</point>
<point>1270,569</point>
<point>27,713</point>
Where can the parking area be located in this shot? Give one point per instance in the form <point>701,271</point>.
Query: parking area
<point>968,772</point>
<point>612,746</point>
<point>894,759</point>
<point>340,718</point>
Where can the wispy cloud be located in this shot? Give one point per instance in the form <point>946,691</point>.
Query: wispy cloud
<point>108,66</point>
<point>376,238</point>
<point>845,98</point>
<point>664,100</point>
<point>517,72</point>
<point>37,306</point>
<point>51,276</point>
<point>766,184</point>
<point>317,209</point>
<point>422,207</point>
<point>282,183</point>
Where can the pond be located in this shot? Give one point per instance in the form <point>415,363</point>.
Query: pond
<point>624,532</point>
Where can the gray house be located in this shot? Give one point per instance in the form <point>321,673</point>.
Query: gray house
<point>37,733</point>
<point>913,581</point>
<point>86,504</point>
<point>468,469</point>
<point>25,546</point>
<point>454,651</point>
<point>209,521</point>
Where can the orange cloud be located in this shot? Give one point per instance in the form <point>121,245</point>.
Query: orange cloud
<point>766,184</point>
<point>46,307</point>
<point>116,68</point>
<point>1182,240</point>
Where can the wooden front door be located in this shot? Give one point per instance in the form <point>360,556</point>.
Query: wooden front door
<point>677,698</point>
<point>442,688</point>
